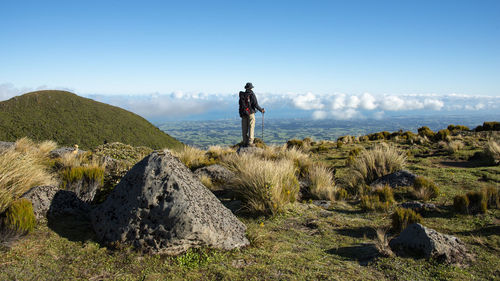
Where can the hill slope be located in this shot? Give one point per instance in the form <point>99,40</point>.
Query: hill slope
<point>69,119</point>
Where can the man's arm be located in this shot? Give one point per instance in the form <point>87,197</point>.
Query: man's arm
<point>256,104</point>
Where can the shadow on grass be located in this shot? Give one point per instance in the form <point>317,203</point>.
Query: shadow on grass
<point>72,227</point>
<point>363,253</point>
<point>445,212</point>
<point>358,232</point>
<point>483,231</point>
<point>348,212</point>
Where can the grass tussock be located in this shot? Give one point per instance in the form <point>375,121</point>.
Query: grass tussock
<point>382,242</point>
<point>424,189</point>
<point>372,164</point>
<point>402,217</point>
<point>207,182</point>
<point>192,157</point>
<point>23,167</point>
<point>19,216</point>
<point>264,186</point>
<point>322,185</point>
<point>380,199</point>
<point>493,151</point>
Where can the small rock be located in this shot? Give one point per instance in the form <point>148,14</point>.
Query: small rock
<point>394,180</point>
<point>417,206</point>
<point>248,150</point>
<point>216,173</point>
<point>59,152</point>
<point>419,241</point>
<point>41,198</point>
<point>322,203</point>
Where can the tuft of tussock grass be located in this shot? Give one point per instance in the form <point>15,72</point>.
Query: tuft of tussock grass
<point>192,157</point>
<point>20,217</point>
<point>216,153</point>
<point>382,242</point>
<point>478,203</point>
<point>207,182</point>
<point>380,199</point>
<point>23,167</point>
<point>322,185</point>
<point>492,196</point>
<point>454,146</point>
<point>493,151</point>
<point>89,173</point>
<point>372,164</point>
<point>264,186</point>
<point>424,189</point>
<point>402,217</point>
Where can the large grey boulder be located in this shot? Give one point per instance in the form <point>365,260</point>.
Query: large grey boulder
<point>85,188</point>
<point>41,199</point>
<point>216,172</point>
<point>419,241</point>
<point>396,179</point>
<point>161,207</point>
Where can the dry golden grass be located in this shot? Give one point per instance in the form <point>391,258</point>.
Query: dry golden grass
<point>493,150</point>
<point>455,146</point>
<point>382,242</point>
<point>192,157</point>
<point>207,182</point>
<point>372,164</point>
<point>21,168</point>
<point>217,152</point>
<point>265,186</point>
<point>322,183</point>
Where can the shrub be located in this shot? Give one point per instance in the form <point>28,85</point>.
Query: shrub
<point>461,204</point>
<point>307,141</point>
<point>264,186</point>
<point>426,132</point>
<point>492,197</point>
<point>21,168</point>
<point>364,138</point>
<point>340,144</point>
<point>478,202</point>
<point>373,164</point>
<point>295,143</point>
<point>322,185</point>
<point>424,189</point>
<point>19,216</point>
<point>488,126</point>
<point>352,154</point>
<point>457,128</point>
<point>408,136</point>
<point>442,135</point>
<point>402,217</point>
<point>259,143</point>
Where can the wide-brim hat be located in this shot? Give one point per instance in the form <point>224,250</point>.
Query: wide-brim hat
<point>249,86</point>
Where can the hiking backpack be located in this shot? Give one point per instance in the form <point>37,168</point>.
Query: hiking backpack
<point>245,104</point>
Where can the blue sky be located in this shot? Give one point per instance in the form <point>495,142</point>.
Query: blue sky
<point>147,50</point>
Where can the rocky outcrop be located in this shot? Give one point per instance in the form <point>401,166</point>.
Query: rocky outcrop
<point>216,173</point>
<point>85,188</point>
<point>41,198</point>
<point>59,152</point>
<point>394,180</point>
<point>419,241</point>
<point>161,207</point>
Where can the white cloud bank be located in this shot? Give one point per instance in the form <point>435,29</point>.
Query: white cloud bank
<point>321,106</point>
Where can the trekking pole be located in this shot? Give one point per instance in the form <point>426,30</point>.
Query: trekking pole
<point>262,126</point>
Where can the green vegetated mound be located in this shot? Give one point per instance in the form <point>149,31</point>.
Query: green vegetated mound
<point>69,119</point>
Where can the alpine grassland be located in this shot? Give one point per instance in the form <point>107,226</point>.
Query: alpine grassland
<point>312,211</point>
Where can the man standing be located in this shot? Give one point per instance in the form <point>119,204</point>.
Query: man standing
<point>248,105</point>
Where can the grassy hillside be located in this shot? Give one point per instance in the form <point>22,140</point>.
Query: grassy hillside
<point>69,119</point>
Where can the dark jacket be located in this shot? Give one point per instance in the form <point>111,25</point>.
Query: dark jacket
<point>253,103</point>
